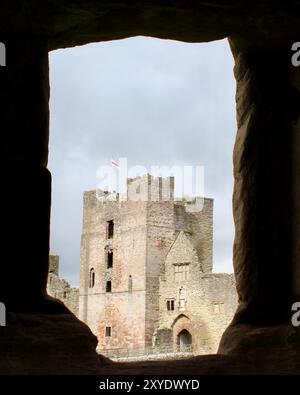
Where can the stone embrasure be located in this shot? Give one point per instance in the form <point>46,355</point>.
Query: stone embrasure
<point>47,344</point>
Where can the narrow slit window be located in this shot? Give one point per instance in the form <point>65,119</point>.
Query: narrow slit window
<point>108,286</point>
<point>109,258</point>
<point>110,229</point>
<point>130,283</point>
<point>92,278</point>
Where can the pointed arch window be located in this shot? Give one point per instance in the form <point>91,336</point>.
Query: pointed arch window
<point>92,278</point>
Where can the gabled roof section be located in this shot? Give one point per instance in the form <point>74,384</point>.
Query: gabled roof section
<point>182,250</point>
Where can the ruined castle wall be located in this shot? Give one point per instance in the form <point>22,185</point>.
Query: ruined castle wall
<point>160,237</point>
<point>211,301</point>
<point>145,234</point>
<point>124,313</point>
<point>151,189</point>
<point>123,309</point>
<point>164,221</point>
<point>61,289</point>
<point>199,225</point>
<point>54,264</point>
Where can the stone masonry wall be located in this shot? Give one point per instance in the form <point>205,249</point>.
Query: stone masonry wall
<point>199,225</point>
<point>122,309</point>
<point>160,237</point>
<point>209,300</point>
<point>59,288</point>
<point>149,237</point>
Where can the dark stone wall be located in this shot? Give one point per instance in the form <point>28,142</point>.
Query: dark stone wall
<point>164,340</point>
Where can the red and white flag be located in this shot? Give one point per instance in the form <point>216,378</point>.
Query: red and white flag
<point>115,164</point>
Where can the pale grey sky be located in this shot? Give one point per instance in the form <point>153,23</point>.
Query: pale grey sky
<point>155,102</point>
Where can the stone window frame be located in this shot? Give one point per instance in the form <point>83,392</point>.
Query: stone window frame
<point>109,262</point>
<point>108,331</point>
<point>257,96</point>
<point>110,229</point>
<point>220,305</point>
<point>108,286</point>
<point>170,302</point>
<point>91,277</point>
<point>184,274</point>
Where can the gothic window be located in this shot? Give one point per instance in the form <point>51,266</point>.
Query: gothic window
<point>170,304</point>
<point>184,341</point>
<point>110,229</point>
<point>92,278</point>
<point>181,272</point>
<point>108,286</point>
<point>108,331</point>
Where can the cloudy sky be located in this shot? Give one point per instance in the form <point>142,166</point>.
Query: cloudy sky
<point>155,102</point>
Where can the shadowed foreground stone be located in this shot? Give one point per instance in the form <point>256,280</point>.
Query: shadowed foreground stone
<point>61,344</point>
<point>47,344</point>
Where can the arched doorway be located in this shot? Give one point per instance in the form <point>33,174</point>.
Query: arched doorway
<point>184,341</point>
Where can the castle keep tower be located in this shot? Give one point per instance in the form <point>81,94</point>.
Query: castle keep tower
<point>124,246</point>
